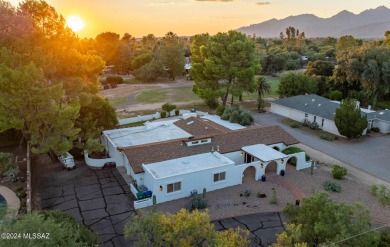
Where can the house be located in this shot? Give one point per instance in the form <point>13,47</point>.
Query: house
<point>321,110</point>
<point>174,159</point>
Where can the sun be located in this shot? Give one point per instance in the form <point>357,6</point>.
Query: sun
<point>75,23</point>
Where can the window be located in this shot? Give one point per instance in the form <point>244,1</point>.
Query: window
<point>219,176</point>
<point>322,123</point>
<point>306,115</point>
<point>204,141</point>
<point>195,142</point>
<point>173,187</point>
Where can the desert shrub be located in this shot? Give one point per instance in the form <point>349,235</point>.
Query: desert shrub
<point>383,194</point>
<point>375,129</point>
<point>163,114</point>
<point>331,186</point>
<point>261,195</point>
<point>220,109</point>
<point>245,118</point>
<point>274,199</point>
<point>5,162</point>
<point>247,193</point>
<point>114,80</point>
<point>236,115</point>
<point>336,95</point>
<point>327,137</point>
<point>339,172</point>
<point>197,203</point>
<point>374,189</point>
<point>168,107</point>
<point>295,124</point>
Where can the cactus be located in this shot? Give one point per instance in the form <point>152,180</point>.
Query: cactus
<point>204,192</point>
<point>154,202</point>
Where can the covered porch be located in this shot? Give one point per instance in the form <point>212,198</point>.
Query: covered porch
<point>261,156</point>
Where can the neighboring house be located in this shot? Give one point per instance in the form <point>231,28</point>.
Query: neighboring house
<point>176,158</point>
<point>321,110</point>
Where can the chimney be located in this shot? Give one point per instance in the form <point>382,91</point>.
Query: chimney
<point>217,148</point>
<point>369,107</point>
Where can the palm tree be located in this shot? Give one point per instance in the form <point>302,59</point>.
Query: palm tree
<point>263,87</point>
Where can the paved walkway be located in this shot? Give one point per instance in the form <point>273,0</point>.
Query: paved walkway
<point>13,201</point>
<point>98,199</point>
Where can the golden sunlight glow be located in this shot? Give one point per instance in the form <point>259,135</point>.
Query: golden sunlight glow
<point>75,23</point>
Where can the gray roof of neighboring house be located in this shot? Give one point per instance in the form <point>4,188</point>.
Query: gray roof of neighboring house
<point>383,115</point>
<point>315,105</point>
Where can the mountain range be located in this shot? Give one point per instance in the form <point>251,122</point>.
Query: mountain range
<point>371,23</point>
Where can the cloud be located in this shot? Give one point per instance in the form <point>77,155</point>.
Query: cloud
<point>263,3</point>
<point>214,0</point>
<point>162,3</point>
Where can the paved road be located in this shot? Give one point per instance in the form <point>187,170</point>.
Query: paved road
<point>370,154</point>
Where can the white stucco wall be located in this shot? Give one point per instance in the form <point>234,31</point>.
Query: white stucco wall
<point>288,112</point>
<point>383,126</point>
<point>191,181</point>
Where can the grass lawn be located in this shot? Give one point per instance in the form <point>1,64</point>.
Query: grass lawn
<point>384,104</point>
<point>274,83</point>
<point>131,81</point>
<point>183,94</point>
<point>118,101</point>
<point>166,95</point>
<point>151,97</point>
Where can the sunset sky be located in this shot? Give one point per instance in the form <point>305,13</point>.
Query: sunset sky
<point>189,17</point>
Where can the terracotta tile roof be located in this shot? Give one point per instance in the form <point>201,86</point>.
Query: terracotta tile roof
<point>231,141</point>
<point>198,127</point>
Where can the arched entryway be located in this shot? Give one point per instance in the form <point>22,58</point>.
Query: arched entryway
<point>276,148</point>
<point>271,168</point>
<point>292,161</point>
<point>249,175</point>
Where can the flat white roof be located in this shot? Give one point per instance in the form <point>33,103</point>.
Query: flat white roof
<point>150,133</point>
<point>216,119</point>
<point>194,163</point>
<point>264,153</point>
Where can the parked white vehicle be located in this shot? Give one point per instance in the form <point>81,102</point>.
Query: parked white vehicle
<point>67,161</point>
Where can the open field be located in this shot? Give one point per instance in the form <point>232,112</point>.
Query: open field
<point>172,95</point>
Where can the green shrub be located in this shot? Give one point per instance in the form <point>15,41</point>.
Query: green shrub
<point>168,107</point>
<point>114,80</point>
<point>374,189</point>
<point>274,199</point>
<point>336,95</point>
<point>292,150</point>
<point>197,203</point>
<point>21,194</point>
<point>327,137</point>
<point>177,112</point>
<point>163,114</point>
<point>5,162</point>
<point>220,109</point>
<point>296,124</point>
<point>339,172</point>
<point>331,186</point>
<point>236,115</point>
<point>307,157</point>
<point>375,129</point>
<point>383,194</point>
<point>247,193</point>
